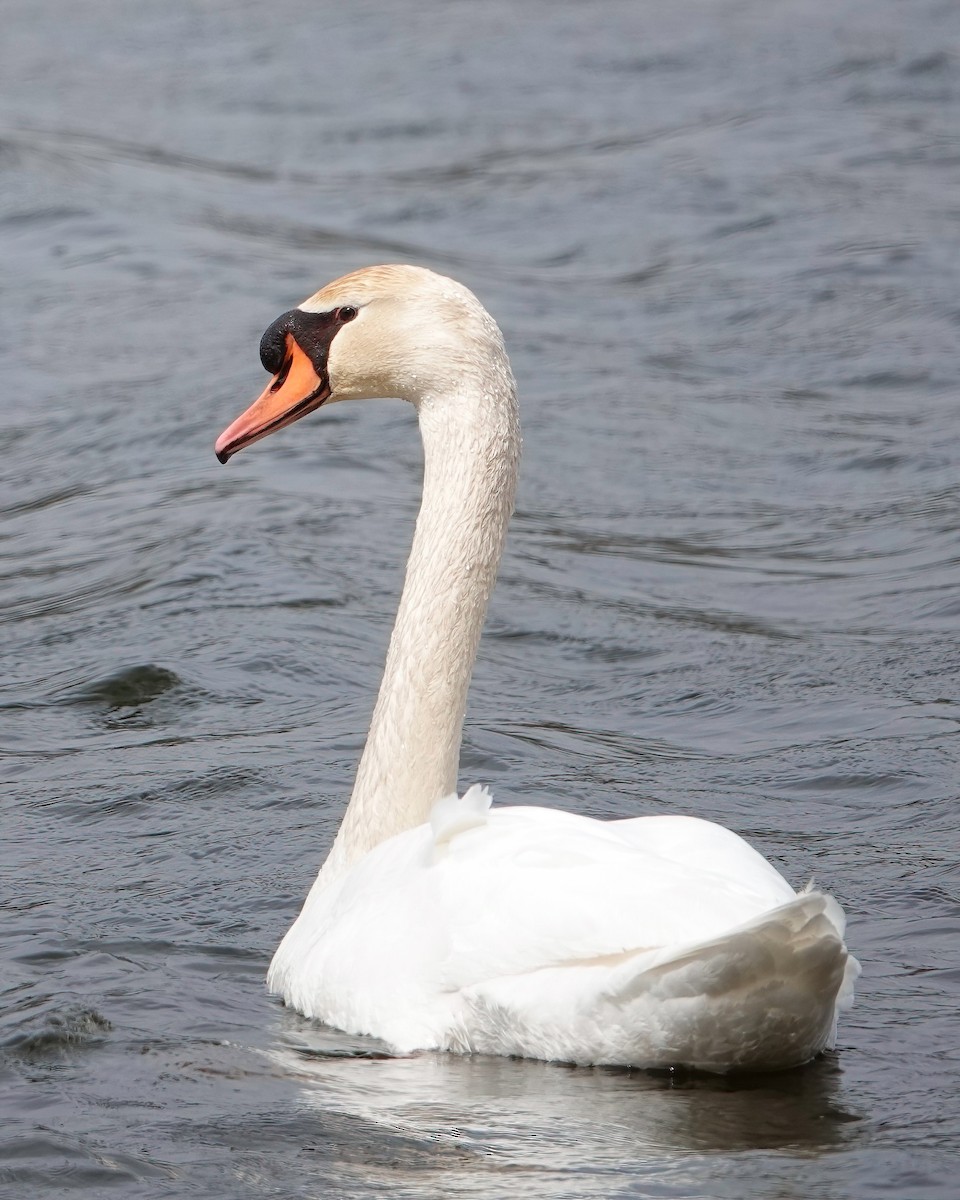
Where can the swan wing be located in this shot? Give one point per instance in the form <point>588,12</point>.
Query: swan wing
<point>535,931</point>
<point>536,887</point>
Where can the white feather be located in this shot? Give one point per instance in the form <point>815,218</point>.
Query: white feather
<point>540,933</point>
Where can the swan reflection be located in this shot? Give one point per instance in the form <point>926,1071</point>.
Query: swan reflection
<point>473,1117</point>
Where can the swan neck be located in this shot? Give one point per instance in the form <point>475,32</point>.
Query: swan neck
<point>471,441</point>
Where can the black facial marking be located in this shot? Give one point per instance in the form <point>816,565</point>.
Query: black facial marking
<point>313,333</point>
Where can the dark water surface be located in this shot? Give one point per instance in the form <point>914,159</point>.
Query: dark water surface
<point>723,240</point>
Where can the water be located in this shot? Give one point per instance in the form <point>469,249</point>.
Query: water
<point>722,239</point>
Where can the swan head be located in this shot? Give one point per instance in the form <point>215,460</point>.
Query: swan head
<point>392,330</point>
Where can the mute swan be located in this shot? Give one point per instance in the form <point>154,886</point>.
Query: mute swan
<point>439,923</point>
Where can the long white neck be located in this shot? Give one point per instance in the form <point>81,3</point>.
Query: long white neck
<point>471,442</point>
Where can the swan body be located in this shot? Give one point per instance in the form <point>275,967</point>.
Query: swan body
<point>439,922</point>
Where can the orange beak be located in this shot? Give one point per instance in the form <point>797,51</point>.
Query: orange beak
<point>293,392</point>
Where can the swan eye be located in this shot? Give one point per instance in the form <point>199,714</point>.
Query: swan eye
<point>346,313</point>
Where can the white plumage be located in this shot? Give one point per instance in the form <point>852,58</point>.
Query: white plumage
<point>438,922</point>
<point>529,931</point>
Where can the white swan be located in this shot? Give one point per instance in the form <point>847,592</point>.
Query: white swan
<point>437,922</point>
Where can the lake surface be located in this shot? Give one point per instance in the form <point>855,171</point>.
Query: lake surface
<point>723,240</point>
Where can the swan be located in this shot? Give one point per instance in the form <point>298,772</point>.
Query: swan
<point>440,923</point>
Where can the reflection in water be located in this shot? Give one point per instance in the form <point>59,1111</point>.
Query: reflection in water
<point>480,1115</point>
